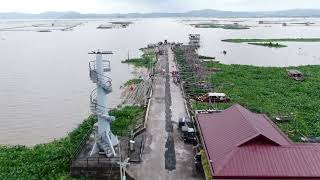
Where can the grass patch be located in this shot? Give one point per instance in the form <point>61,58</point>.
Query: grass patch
<point>269,44</point>
<point>145,60</point>
<point>126,119</point>
<point>133,82</point>
<point>272,40</point>
<point>205,165</point>
<point>52,160</point>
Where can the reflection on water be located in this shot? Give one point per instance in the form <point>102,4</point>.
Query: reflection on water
<point>45,85</point>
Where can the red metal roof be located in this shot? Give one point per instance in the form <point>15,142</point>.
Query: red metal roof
<point>242,144</point>
<point>273,161</point>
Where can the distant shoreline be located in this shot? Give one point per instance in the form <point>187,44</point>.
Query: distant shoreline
<point>206,13</point>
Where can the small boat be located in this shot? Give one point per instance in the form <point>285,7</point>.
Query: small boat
<point>310,139</point>
<point>295,74</point>
<point>45,30</point>
<point>105,26</point>
<point>214,98</point>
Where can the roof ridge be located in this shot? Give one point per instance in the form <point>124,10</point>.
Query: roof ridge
<point>251,124</point>
<point>226,160</point>
<point>243,110</point>
<point>248,139</point>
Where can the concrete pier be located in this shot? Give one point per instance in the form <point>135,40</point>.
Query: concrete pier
<point>165,155</point>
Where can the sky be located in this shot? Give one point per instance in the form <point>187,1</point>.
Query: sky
<point>147,6</point>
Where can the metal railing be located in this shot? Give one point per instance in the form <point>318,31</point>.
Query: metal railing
<point>106,65</point>
<point>80,146</point>
<point>100,78</point>
<point>95,107</point>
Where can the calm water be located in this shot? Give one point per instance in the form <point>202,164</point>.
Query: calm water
<point>45,88</point>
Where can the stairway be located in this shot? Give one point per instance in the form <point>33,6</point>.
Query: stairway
<point>102,80</point>
<point>104,143</point>
<point>98,109</point>
<point>103,140</point>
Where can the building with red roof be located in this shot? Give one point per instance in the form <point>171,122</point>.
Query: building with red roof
<point>240,144</point>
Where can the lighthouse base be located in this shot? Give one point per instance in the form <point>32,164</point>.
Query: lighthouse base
<point>98,166</point>
<point>105,142</point>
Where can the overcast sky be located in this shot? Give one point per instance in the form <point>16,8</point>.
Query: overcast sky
<point>125,6</point>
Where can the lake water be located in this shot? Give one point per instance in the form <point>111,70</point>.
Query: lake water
<point>45,86</point>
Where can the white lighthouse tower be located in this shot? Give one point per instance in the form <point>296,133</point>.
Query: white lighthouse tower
<point>105,141</point>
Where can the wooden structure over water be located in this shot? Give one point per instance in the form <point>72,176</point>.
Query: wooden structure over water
<point>194,40</point>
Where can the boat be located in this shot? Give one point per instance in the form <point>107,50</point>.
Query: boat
<point>45,30</point>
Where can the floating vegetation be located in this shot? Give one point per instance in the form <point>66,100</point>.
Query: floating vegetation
<point>272,43</point>
<point>133,82</point>
<point>222,26</point>
<point>146,60</point>
<point>272,40</point>
<point>269,90</point>
<point>269,44</point>
<point>43,161</point>
<point>52,160</point>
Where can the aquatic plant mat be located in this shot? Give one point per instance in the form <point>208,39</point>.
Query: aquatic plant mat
<point>269,44</point>
<point>133,82</point>
<point>222,26</point>
<point>267,90</point>
<point>272,40</point>
<point>52,160</point>
<point>146,60</point>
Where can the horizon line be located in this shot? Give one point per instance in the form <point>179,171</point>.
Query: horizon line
<point>106,13</point>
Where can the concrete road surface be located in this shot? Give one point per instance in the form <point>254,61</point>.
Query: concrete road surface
<point>165,155</point>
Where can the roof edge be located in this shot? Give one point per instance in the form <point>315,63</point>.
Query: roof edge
<point>205,146</point>
<point>278,129</point>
